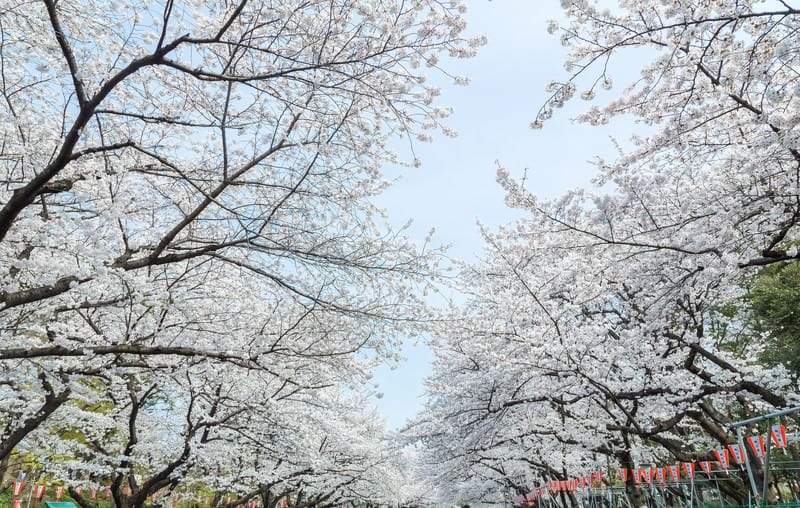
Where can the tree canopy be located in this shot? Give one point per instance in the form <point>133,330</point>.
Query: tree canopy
<point>197,284</point>
<point>595,332</point>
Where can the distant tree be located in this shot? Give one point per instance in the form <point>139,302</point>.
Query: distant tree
<point>773,315</point>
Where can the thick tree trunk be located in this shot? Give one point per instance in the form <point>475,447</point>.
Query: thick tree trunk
<point>125,502</point>
<point>4,482</point>
<point>632,488</point>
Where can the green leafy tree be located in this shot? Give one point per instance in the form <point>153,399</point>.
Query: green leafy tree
<point>773,314</point>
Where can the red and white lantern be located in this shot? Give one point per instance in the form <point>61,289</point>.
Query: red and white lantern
<point>757,445</point>
<point>738,453</point>
<point>675,472</point>
<point>38,492</point>
<point>722,457</point>
<point>778,435</point>
<point>17,487</point>
<point>689,468</point>
<point>59,491</point>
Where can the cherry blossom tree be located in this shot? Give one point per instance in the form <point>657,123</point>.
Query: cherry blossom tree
<point>593,330</point>
<point>221,432</point>
<point>186,211</point>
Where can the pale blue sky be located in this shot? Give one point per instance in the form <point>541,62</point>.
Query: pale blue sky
<point>456,183</point>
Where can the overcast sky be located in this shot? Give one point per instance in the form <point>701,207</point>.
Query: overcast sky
<point>456,183</point>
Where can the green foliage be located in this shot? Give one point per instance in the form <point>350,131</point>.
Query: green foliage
<point>763,326</point>
<point>773,314</point>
